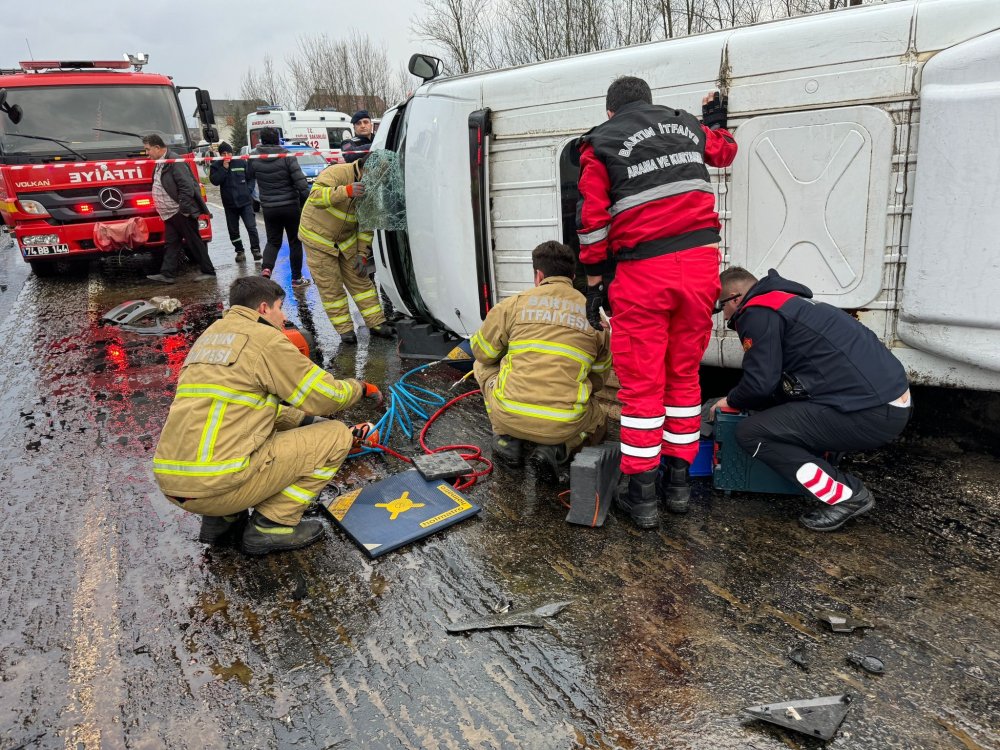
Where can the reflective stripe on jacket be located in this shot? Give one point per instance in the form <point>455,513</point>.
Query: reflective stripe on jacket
<point>551,359</point>
<point>328,221</point>
<point>242,380</point>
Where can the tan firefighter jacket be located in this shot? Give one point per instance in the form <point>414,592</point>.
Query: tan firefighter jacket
<point>328,221</point>
<point>551,360</point>
<point>242,380</point>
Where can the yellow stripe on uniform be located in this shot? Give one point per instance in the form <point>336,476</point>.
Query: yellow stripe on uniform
<point>298,494</point>
<point>305,386</point>
<point>314,239</point>
<point>478,340</point>
<point>199,468</point>
<point>211,430</point>
<point>229,395</point>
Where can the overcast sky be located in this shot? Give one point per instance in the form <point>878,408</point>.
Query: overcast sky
<point>208,44</point>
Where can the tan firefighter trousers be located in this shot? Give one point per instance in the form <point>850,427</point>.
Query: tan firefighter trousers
<point>333,270</point>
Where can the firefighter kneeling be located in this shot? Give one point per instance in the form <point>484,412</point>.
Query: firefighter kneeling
<point>538,362</point>
<point>244,428</point>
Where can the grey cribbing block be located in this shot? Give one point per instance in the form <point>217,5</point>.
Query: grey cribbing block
<point>444,465</point>
<point>593,480</point>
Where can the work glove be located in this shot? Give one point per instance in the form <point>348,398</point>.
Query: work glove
<point>361,264</point>
<point>370,390</point>
<point>597,297</point>
<point>714,114</point>
<point>356,190</point>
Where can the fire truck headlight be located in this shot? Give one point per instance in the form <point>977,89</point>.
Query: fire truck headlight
<point>39,239</point>
<point>33,207</point>
<point>202,225</point>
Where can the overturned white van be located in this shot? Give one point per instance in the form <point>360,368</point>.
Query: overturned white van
<point>868,170</point>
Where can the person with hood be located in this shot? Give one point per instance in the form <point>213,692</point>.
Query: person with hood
<point>283,189</point>
<point>822,382</point>
<point>178,201</point>
<point>236,190</point>
<point>356,147</point>
<point>339,250</point>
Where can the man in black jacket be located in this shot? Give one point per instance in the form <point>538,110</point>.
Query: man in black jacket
<point>356,147</point>
<point>823,383</point>
<point>236,189</point>
<point>178,201</point>
<point>283,191</point>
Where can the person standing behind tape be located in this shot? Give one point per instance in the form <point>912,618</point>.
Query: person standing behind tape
<point>539,364</point>
<point>236,190</point>
<point>338,251</point>
<point>243,432</point>
<point>647,204</point>
<point>283,189</point>
<point>356,147</point>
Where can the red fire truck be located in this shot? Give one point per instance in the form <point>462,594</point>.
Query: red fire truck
<point>71,152</point>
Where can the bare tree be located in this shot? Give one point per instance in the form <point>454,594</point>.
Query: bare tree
<point>267,85</point>
<point>456,26</point>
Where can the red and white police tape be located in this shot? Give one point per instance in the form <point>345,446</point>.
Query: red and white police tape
<point>107,165</point>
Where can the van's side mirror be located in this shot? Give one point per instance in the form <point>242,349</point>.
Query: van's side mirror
<point>425,67</point>
<point>14,113</point>
<point>205,113</point>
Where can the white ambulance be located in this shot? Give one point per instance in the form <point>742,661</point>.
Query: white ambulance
<point>868,169</point>
<point>319,128</point>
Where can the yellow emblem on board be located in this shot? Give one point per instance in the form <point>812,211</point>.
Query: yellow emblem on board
<point>400,505</point>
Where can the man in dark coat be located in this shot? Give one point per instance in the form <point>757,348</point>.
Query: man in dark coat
<point>283,191</point>
<point>356,147</point>
<point>178,201</point>
<point>236,189</point>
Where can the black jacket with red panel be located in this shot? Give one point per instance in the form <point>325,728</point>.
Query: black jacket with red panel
<point>644,187</point>
<point>835,359</point>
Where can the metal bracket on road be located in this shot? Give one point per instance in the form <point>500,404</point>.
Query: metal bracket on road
<point>817,717</point>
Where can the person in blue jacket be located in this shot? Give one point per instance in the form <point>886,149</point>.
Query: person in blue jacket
<point>236,188</point>
<point>820,382</point>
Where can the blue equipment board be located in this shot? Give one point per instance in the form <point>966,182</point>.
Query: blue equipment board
<point>385,515</point>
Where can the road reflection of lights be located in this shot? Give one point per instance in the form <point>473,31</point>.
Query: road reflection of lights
<point>115,354</point>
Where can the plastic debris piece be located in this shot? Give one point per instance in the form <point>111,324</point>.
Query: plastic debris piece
<point>798,656</point>
<point>871,664</point>
<point>156,330</point>
<point>817,717</point>
<point>840,623</point>
<point>522,618</point>
<point>166,305</point>
<point>127,313</point>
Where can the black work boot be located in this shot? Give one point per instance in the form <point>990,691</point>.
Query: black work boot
<point>383,331</point>
<point>255,252</point>
<point>549,461</point>
<point>240,255</point>
<point>349,338</point>
<point>508,450</point>
<point>221,529</point>
<point>262,535</point>
<point>674,485</point>
<point>832,517</point>
<point>638,500</point>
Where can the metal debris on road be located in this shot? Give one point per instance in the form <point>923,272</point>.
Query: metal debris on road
<point>522,618</point>
<point>840,623</point>
<point>817,717</point>
<point>871,664</point>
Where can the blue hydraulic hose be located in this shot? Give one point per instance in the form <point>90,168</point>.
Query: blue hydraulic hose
<point>406,403</point>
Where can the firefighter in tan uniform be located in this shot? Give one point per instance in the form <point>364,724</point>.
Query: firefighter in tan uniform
<point>338,251</point>
<point>243,430</point>
<point>538,362</point>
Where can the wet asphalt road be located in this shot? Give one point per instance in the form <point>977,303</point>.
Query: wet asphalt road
<point>120,630</point>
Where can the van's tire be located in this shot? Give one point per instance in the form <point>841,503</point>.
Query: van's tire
<point>43,268</point>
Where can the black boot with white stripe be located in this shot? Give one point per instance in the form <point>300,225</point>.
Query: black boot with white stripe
<point>832,517</point>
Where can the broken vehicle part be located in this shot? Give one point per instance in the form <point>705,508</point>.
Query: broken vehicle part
<point>522,618</point>
<point>840,623</point>
<point>127,313</point>
<point>817,717</point>
<point>871,664</point>
<point>798,656</point>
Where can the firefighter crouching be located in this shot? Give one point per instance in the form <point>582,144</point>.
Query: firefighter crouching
<point>244,428</point>
<point>539,362</point>
<point>823,383</point>
<point>338,251</point>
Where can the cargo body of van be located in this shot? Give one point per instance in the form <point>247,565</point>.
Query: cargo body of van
<point>868,169</point>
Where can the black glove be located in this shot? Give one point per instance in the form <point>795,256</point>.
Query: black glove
<point>597,297</point>
<point>714,114</point>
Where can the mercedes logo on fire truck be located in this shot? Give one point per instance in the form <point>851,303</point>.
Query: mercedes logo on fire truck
<point>111,198</point>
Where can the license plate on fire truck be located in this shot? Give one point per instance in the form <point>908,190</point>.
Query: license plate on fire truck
<point>34,250</point>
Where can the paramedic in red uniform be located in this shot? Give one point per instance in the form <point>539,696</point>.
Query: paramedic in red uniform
<point>647,216</point>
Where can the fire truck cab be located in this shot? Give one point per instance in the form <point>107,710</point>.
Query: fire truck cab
<point>71,152</point>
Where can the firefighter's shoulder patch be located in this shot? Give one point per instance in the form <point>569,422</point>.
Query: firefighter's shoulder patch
<point>747,343</point>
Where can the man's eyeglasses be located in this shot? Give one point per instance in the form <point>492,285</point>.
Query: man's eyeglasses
<point>722,303</point>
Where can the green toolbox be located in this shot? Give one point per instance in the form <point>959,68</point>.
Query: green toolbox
<point>734,470</point>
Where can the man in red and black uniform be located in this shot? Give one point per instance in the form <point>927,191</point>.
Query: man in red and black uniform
<point>824,383</point>
<point>647,205</point>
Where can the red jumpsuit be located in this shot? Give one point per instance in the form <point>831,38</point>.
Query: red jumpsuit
<point>647,205</point>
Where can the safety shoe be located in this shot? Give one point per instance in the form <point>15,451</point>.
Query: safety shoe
<point>383,331</point>
<point>255,252</point>
<point>301,282</point>
<point>241,257</point>
<point>673,485</point>
<point>220,529</point>
<point>349,338</point>
<point>638,500</point>
<point>262,535</point>
<point>161,278</point>
<point>549,461</point>
<point>508,450</point>
<point>832,517</point>
<point>266,273</point>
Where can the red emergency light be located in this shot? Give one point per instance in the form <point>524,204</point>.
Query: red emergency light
<point>84,208</point>
<point>142,202</point>
<point>74,64</point>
